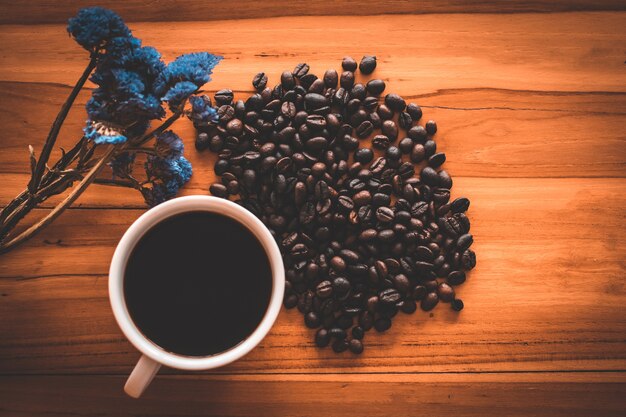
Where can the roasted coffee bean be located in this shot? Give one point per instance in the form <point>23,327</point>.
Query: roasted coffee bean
<point>375,87</point>
<point>468,259</point>
<point>202,141</point>
<point>356,346</point>
<point>395,102</point>
<point>390,130</point>
<point>381,142</point>
<point>382,324</point>
<point>322,338</point>
<point>312,320</point>
<point>445,292</point>
<point>219,190</point>
<point>346,80</point>
<point>460,205</point>
<point>364,129</point>
<point>418,153</point>
<point>444,179</point>
<point>405,145</point>
<point>457,304</point>
<point>224,97</point>
<point>340,346</point>
<point>437,160</point>
<point>324,289</point>
<point>385,214</point>
<point>364,155</point>
<point>429,301</point>
<point>405,121</point>
<point>300,70</point>
<point>408,306</point>
<point>348,64</point>
<point>431,127</point>
<point>384,112</point>
<point>464,242</point>
<point>429,176</point>
<point>367,64</point>
<point>331,78</point>
<point>259,81</point>
<point>418,134</point>
<point>314,101</point>
<point>287,80</point>
<point>456,278</point>
<point>414,111</point>
<point>358,92</point>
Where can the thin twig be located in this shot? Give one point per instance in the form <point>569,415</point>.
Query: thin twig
<point>56,127</point>
<point>76,192</point>
<point>117,183</point>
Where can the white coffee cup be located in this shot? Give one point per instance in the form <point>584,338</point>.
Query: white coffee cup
<point>152,355</point>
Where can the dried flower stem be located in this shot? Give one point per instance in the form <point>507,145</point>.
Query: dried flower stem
<point>82,186</point>
<point>56,127</point>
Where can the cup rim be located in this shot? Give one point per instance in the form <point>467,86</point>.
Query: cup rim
<point>132,236</point>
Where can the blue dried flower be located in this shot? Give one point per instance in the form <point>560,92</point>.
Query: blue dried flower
<point>93,27</point>
<point>201,111</point>
<point>122,164</point>
<point>103,133</point>
<point>169,146</point>
<point>195,68</point>
<point>179,92</point>
<point>167,176</point>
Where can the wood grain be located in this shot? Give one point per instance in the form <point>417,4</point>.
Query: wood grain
<point>537,300</point>
<point>47,11</point>
<point>473,395</point>
<point>531,109</point>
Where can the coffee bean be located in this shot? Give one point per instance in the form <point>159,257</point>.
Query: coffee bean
<point>384,112</point>
<point>414,111</point>
<point>468,259</point>
<point>259,81</point>
<point>445,292</point>
<point>314,101</point>
<point>390,130</point>
<point>218,190</point>
<point>364,129</point>
<point>356,346</point>
<point>367,64</point>
<point>340,346</point>
<point>418,134</point>
<point>405,145</point>
<point>431,127</point>
<point>444,179</point>
<point>224,97</point>
<point>375,87</point>
<point>202,141</point>
<point>382,324</point>
<point>346,80</point>
<point>312,320</point>
<point>437,160</point>
<point>364,155</point>
<point>464,242</point>
<point>324,289</point>
<point>429,301</point>
<point>457,304</point>
<point>418,153</point>
<point>322,338</point>
<point>348,64</point>
<point>381,142</point>
<point>460,205</point>
<point>300,70</point>
<point>456,277</point>
<point>385,214</point>
<point>404,120</point>
<point>331,78</point>
<point>395,102</point>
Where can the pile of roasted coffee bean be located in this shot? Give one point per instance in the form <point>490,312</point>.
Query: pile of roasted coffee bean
<point>366,227</point>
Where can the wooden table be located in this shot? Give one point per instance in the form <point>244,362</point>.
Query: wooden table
<point>531,109</point>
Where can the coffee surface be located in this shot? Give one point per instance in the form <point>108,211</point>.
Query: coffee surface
<point>198,283</point>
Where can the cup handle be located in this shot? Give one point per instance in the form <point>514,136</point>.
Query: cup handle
<point>142,375</point>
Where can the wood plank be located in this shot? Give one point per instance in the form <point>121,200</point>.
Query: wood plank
<point>371,395</point>
<point>417,54</point>
<point>46,11</point>
<point>547,294</point>
<point>484,132</point>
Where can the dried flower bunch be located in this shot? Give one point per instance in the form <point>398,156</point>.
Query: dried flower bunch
<point>133,87</point>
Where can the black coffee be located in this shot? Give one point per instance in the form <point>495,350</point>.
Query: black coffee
<point>198,283</point>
